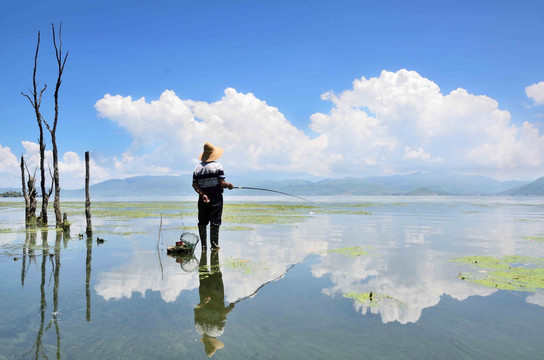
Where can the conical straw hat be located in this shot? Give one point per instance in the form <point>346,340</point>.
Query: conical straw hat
<point>211,152</point>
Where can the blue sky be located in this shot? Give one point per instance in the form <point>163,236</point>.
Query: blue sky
<point>288,88</point>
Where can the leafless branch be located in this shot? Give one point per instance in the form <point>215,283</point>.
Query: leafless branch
<point>46,124</point>
<point>28,97</point>
<point>52,180</point>
<point>41,93</point>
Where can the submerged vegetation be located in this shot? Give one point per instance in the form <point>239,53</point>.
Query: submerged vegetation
<point>242,265</point>
<point>373,300</point>
<point>538,238</point>
<point>519,273</point>
<point>350,251</point>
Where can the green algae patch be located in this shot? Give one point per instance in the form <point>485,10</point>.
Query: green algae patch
<point>344,212</point>
<point>138,210</point>
<point>237,228</point>
<point>539,238</point>
<point>372,299</point>
<point>265,214</point>
<point>350,251</point>
<point>518,273</point>
<point>241,265</point>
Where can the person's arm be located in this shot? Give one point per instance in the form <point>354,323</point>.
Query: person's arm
<point>200,192</point>
<point>225,184</point>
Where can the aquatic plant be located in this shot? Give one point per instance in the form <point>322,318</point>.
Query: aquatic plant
<point>350,251</point>
<point>538,238</point>
<point>519,273</point>
<point>242,265</point>
<point>371,299</point>
<point>333,211</point>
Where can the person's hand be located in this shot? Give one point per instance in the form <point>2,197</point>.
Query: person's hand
<point>205,198</point>
<point>230,187</point>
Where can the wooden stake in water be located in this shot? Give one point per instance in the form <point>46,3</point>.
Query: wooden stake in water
<point>87,196</point>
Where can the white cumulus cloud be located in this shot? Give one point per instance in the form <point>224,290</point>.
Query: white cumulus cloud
<point>9,167</point>
<point>384,121</point>
<point>170,132</point>
<point>397,122</point>
<point>536,93</point>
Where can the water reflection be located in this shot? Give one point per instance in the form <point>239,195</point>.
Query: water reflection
<point>407,270</point>
<point>30,255</point>
<point>211,312</point>
<point>410,245</point>
<point>249,260</point>
<point>88,270</point>
<point>410,251</point>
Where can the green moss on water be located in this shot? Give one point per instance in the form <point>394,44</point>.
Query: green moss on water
<point>350,251</point>
<point>180,228</point>
<point>237,228</point>
<point>538,238</point>
<point>242,265</point>
<point>265,214</point>
<point>519,273</point>
<point>144,209</point>
<point>352,212</point>
<point>372,299</point>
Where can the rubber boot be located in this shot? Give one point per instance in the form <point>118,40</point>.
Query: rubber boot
<point>203,241</point>
<point>214,237</point>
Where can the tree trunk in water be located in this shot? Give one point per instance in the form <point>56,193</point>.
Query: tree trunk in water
<point>25,195</point>
<point>56,182</point>
<point>60,62</point>
<point>87,197</point>
<point>42,219</point>
<point>36,101</point>
<point>30,195</point>
<point>65,223</point>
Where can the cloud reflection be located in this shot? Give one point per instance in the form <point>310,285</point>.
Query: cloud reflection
<point>408,268</point>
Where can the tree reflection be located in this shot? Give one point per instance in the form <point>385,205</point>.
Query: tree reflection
<point>211,312</point>
<point>88,269</point>
<point>37,351</point>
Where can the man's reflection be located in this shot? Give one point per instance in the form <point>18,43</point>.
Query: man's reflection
<point>211,313</point>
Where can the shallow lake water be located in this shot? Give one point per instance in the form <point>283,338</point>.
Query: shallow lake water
<point>339,278</point>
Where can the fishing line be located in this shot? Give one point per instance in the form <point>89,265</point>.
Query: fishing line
<point>275,191</point>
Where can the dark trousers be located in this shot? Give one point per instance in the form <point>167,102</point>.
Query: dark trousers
<point>210,212</point>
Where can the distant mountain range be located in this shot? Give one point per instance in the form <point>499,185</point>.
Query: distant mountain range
<point>419,183</point>
<point>431,183</point>
<point>531,189</point>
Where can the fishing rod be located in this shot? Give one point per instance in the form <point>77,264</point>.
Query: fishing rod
<point>275,191</point>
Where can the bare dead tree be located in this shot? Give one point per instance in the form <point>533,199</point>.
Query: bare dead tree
<point>36,101</point>
<point>30,195</point>
<point>61,61</point>
<point>25,195</point>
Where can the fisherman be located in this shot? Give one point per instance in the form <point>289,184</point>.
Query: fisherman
<point>209,182</point>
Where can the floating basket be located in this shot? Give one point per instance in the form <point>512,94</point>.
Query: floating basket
<point>186,244</point>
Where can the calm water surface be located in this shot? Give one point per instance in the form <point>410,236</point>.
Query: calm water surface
<point>284,285</point>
